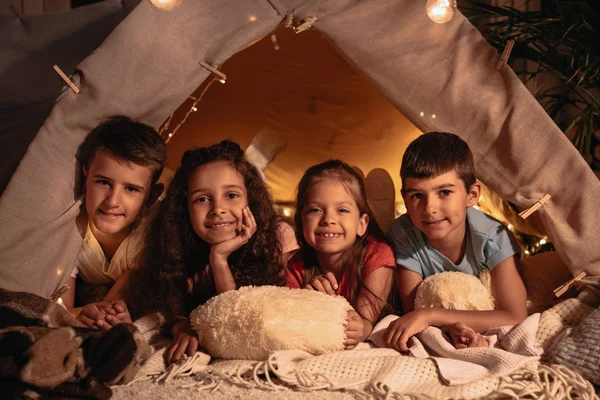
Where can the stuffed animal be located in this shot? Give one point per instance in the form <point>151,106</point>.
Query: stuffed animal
<point>456,291</point>
<point>252,322</point>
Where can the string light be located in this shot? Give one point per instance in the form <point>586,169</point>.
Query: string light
<point>192,109</point>
<point>165,5</point>
<point>441,11</point>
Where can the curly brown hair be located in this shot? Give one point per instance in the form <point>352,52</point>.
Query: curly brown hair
<point>173,252</point>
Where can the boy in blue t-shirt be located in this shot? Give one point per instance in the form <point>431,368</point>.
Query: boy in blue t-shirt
<point>442,232</point>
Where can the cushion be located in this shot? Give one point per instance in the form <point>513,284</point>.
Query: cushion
<point>252,322</point>
<point>455,291</point>
<point>581,350</point>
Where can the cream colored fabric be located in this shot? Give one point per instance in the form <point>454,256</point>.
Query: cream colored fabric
<point>510,348</point>
<point>92,265</point>
<point>252,322</point>
<point>380,372</point>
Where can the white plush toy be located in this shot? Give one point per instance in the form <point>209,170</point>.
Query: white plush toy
<point>252,322</point>
<point>456,291</point>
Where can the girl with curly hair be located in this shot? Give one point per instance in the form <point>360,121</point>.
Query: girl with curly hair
<point>343,251</point>
<point>217,230</point>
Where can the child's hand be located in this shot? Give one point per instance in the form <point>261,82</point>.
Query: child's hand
<point>462,336</point>
<point>121,313</point>
<point>354,330</point>
<point>185,341</point>
<point>93,315</point>
<point>324,283</point>
<point>103,315</point>
<point>408,325</point>
<point>222,250</point>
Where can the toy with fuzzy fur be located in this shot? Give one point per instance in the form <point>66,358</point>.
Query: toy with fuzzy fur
<point>456,291</point>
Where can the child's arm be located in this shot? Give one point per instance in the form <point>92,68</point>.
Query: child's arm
<point>185,340</point>
<point>407,282</point>
<point>219,253</point>
<point>511,308</point>
<point>369,304</point>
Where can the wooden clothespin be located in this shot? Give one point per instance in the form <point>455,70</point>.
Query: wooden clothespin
<point>66,79</point>
<point>559,291</point>
<point>527,212</point>
<point>289,20</point>
<point>305,25</point>
<point>505,54</point>
<point>274,41</point>
<point>218,74</point>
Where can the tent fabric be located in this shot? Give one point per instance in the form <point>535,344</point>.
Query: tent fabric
<point>28,84</point>
<point>149,65</point>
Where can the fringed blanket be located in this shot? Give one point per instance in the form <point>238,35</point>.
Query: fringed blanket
<point>45,352</point>
<point>377,372</point>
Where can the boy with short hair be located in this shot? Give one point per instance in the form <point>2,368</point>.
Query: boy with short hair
<point>441,231</point>
<point>121,162</point>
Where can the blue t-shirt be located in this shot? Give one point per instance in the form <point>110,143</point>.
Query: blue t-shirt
<point>488,243</point>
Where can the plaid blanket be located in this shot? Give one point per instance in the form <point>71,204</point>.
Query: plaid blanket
<point>45,352</point>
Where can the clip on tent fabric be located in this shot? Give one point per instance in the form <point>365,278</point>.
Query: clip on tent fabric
<point>66,79</point>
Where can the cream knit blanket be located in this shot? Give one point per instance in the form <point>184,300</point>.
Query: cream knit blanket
<point>472,373</point>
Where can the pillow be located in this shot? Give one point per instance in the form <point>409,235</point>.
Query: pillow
<point>252,322</point>
<point>580,351</point>
<point>455,291</point>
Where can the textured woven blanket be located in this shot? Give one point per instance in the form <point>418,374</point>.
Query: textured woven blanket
<point>381,372</point>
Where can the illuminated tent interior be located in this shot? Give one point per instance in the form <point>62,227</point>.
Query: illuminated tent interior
<point>365,82</point>
<point>149,66</point>
<point>308,92</point>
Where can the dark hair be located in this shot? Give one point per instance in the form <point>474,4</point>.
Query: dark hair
<point>132,141</point>
<point>436,153</point>
<point>173,252</point>
<point>353,183</point>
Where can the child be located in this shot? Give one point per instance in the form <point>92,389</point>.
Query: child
<point>217,230</point>
<point>121,162</point>
<point>343,250</point>
<point>442,232</point>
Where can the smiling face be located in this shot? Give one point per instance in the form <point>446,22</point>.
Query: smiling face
<point>331,220</point>
<point>115,192</point>
<point>216,197</point>
<point>438,206</point>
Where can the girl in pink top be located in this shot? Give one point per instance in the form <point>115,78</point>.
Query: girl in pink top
<point>342,247</point>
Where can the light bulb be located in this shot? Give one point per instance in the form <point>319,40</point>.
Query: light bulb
<point>441,11</point>
<point>166,5</point>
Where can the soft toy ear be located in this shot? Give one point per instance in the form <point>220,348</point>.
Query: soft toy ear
<point>454,291</point>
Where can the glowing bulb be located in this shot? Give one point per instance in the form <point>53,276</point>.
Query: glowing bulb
<point>422,114</point>
<point>542,241</point>
<point>252,18</point>
<point>510,227</point>
<point>170,135</point>
<point>441,11</point>
<point>165,5</point>
<point>222,81</point>
<point>433,116</point>
<point>527,252</point>
<point>194,109</point>
<point>287,212</point>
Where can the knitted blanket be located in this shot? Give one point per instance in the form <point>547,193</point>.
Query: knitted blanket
<point>382,372</point>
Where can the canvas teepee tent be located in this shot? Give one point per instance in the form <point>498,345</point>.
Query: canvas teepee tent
<point>149,65</point>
